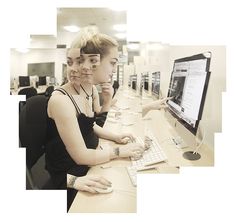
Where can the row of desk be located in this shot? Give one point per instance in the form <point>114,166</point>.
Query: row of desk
<point>123,197</point>
<point>40,89</point>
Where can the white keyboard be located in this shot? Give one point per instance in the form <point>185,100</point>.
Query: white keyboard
<point>132,172</point>
<point>151,156</point>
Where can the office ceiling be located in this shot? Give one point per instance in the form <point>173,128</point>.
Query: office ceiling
<point>103,18</point>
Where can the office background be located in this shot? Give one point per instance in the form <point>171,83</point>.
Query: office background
<point>205,182</point>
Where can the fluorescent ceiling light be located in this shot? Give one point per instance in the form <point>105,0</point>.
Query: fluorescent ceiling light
<point>22,50</point>
<point>71,28</point>
<point>133,46</point>
<point>120,35</point>
<point>120,27</point>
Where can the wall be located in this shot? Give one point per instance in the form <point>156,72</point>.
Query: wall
<point>19,61</point>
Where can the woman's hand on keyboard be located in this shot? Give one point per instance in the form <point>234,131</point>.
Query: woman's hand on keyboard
<point>124,138</point>
<point>134,150</point>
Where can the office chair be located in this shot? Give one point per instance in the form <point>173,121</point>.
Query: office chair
<point>49,91</point>
<point>29,92</point>
<point>32,132</point>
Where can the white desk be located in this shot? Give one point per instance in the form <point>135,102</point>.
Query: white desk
<point>123,199</point>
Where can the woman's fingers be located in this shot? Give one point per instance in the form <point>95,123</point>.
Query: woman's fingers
<point>89,189</point>
<point>101,180</point>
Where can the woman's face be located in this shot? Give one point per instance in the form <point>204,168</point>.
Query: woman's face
<point>73,58</point>
<point>94,71</point>
<point>104,72</point>
<point>88,63</point>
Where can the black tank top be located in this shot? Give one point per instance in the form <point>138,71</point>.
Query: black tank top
<point>58,160</point>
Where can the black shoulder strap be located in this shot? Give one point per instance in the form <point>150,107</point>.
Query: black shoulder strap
<point>63,91</point>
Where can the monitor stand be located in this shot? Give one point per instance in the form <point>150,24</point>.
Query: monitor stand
<point>191,155</point>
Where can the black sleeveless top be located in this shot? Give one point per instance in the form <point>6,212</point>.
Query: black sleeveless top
<point>58,160</point>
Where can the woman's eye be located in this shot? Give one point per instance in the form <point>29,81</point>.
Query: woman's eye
<point>113,63</point>
<point>69,63</point>
<point>93,61</point>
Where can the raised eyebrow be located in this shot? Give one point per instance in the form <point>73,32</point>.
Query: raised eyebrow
<point>115,59</point>
<point>71,58</point>
<point>94,55</point>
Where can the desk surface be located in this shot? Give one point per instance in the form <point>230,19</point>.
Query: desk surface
<point>123,198</point>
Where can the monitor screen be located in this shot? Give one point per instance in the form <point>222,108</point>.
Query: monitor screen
<point>52,81</point>
<point>42,81</point>
<point>188,87</point>
<point>156,83</point>
<point>145,81</point>
<point>24,81</point>
<point>133,80</point>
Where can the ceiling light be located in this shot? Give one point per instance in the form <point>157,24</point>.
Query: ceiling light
<point>22,50</point>
<point>71,28</point>
<point>120,35</point>
<point>120,27</point>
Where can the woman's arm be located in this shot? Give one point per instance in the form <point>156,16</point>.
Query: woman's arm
<point>121,138</point>
<point>69,131</point>
<point>156,105</point>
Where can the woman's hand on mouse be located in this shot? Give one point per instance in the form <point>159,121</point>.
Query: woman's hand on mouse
<point>90,182</point>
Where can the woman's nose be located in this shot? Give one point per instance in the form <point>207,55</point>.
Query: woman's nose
<point>86,65</point>
<point>75,67</point>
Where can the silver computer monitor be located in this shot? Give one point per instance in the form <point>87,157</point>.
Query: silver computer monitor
<point>188,87</point>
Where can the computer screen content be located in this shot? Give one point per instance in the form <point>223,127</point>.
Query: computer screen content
<point>42,80</point>
<point>156,83</point>
<point>188,88</point>
<point>24,81</point>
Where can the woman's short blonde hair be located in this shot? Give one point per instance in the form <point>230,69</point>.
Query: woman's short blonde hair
<point>91,42</point>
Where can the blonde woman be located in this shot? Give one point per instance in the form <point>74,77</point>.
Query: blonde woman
<point>73,137</point>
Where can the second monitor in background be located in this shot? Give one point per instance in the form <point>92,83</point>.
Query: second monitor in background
<point>133,81</point>
<point>42,81</point>
<point>156,84</point>
<point>145,80</point>
<point>24,81</point>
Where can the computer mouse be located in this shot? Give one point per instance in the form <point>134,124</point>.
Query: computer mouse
<point>99,190</point>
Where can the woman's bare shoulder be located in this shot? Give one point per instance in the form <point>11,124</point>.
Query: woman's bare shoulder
<point>60,104</point>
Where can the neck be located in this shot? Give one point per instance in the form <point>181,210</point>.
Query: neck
<point>87,87</point>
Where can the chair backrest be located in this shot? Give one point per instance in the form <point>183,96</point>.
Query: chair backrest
<point>33,128</point>
<point>29,92</point>
<point>49,90</point>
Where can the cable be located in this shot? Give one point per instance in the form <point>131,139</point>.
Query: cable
<point>200,144</point>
